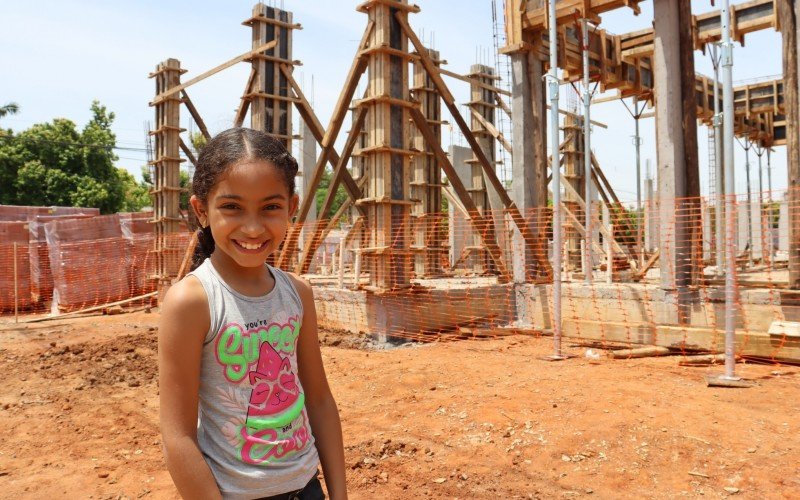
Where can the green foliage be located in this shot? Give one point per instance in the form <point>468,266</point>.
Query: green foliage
<point>322,191</point>
<point>198,140</point>
<point>11,108</point>
<point>56,164</point>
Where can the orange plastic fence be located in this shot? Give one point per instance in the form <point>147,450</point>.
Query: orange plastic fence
<point>654,277</point>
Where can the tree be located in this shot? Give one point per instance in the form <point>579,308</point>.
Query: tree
<point>322,191</point>
<point>57,164</point>
<point>11,108</point>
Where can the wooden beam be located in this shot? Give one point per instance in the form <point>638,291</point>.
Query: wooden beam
<point>482,225</point>
<point>188,153</point>
<point>305,264</point>
<point>313,243</point>
<point>244,103</point>
<point>315,127</point>
<point>491,175</point>
<point>491,128</point>
<point>503,105</point>
<point>474,81</point>
<point>197,118</point>
<point>174,90</point>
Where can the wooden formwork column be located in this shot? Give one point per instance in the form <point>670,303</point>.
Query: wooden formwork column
<point>166,178</point>
<point>482,102</point>
<point>426,188</point>
<point>386,155</point>
<point>270,102</point>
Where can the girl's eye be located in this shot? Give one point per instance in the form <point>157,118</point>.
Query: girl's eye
<point>229,206</point>
<point>272,207</point>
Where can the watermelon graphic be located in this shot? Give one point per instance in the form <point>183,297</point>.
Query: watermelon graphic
<point>276,399</point>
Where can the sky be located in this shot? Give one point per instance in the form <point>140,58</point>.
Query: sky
<point>59,56</point>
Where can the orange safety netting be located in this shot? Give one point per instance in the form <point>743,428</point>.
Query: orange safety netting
<point>654,272</point>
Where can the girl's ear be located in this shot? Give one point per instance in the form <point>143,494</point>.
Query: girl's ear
<point>199,210</point>
<point>294,201</point>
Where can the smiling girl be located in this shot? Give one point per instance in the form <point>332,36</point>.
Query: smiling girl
<point>246,410</point>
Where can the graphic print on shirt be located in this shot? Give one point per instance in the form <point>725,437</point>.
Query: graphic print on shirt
<point>274,424</point>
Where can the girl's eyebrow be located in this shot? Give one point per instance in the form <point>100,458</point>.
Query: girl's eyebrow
<point>239,198</point>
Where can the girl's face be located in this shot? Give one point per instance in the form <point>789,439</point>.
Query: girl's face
<point>249,211</point>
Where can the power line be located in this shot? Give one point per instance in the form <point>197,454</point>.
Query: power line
<point>72,144</point>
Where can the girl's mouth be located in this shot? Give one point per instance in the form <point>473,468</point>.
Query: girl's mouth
<point>247,247</point>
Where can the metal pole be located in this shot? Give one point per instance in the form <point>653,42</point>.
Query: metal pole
<point>747,145</point>
<point>718,167</point>
<point>759,153</point>
<point>771,207</point>
<point>638,140</point>
<point>556,171</point>
<point>587,157</point>
<point>16,287</point>
<point>730,198</point>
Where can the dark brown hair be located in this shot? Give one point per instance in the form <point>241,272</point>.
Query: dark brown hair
<point>223,151</point>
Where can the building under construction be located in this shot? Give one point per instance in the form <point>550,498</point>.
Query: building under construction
<point>432,243</point>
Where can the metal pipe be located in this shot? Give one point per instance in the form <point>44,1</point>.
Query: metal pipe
<point>747,145</point>
<point>771,207</point>
<point>556,172</point>
<point>638,142</point>
<point>730,199</point>
<point>762,235</point>
<point>718,167</point>
<point>587,157</point>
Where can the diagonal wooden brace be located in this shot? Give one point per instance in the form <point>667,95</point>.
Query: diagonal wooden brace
<point>313,243</point>
<point>484,226</point>
<point>536,242</point>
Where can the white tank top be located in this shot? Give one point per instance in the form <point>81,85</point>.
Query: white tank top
<point>253,429</point>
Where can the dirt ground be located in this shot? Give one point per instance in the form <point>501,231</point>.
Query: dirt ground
<point>466,419</point>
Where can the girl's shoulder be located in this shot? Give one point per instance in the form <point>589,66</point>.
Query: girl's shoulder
<point>302,285</point>
<point>187,299</point>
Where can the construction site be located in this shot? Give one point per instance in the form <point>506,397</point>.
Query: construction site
<point>496,317</point>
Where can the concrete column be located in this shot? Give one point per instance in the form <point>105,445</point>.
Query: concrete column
<point>788,12</point>
<point>676,151</point>
<point>459,227</point>
<point>651,217</point>
<point>306,160</point>
<point>427,177</point>
<point>529,154</point>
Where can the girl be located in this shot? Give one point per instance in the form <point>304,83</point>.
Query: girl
<point>246,411</point>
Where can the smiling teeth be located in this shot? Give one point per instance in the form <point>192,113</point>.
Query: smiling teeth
<point>250,246</point>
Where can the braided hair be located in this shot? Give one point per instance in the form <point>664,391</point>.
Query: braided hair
<point>223,151</point>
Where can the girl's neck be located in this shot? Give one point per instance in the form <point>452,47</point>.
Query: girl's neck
<point>250,281</point>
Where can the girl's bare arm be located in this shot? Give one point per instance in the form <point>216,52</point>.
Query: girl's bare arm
<point>184,322</point>
<point>322,410</point>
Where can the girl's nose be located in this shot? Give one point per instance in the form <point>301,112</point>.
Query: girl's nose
<point>253,227</point>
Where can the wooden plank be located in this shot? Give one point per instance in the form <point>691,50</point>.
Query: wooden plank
<point>503,105</point>
<point>491,128</point>
<point>244,103</point>
<point>174,90</point>
<point>188,153</point>
<point>474,81</point>
<point>313,243</point>
<point>197,118</point>
<point>306,263</point>
<point>315,127</point>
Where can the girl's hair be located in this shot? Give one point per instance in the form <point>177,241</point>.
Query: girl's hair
<point>223,151</point>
